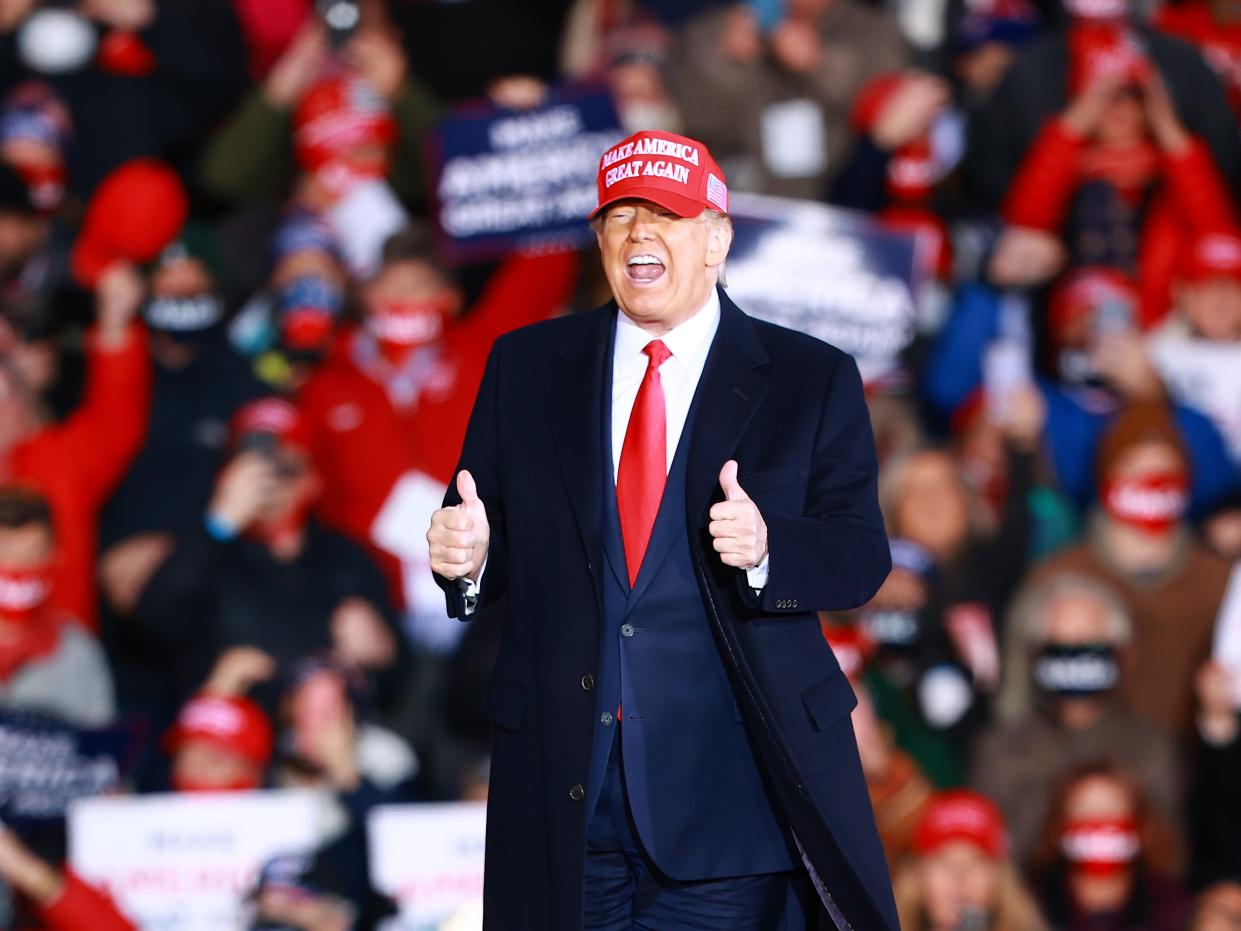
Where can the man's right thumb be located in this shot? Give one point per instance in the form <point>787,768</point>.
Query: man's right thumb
<point>466,487</point>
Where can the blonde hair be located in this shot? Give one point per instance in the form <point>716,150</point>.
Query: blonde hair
<point>1014,908</point>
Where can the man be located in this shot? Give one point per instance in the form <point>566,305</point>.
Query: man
<point>1078,634</point>
<point>671,732</point>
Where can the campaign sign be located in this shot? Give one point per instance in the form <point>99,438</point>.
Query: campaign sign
<point>429,858</point>
<point>186,862</point>
<point>835,274</point>
<point>509,178</point>
<point>45,764</point>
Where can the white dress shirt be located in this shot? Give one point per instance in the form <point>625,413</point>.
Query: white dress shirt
<point>689,343</point>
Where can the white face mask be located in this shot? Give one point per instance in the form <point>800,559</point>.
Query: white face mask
<point>1098,9</point>
<point>645,114</point>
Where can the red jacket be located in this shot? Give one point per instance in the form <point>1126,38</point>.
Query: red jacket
<point>363,444</point>
<point>1191,199</point>
<point>77,463</point>
<point>82,906</point>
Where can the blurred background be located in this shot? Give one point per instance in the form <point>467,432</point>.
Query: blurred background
<point>254,254</point>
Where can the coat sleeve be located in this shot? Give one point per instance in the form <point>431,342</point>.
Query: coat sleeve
<point>834,556</point>
<point>101,438</point>
<point>81,905</point>
<point>1043,186</point>
<point>481,455</point>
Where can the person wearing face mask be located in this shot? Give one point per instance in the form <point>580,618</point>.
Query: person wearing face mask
<point>258,571</point>
<point>1106,861</point>
<point>48,662</point>
<point>960,877</point>
<point>335,115</point>
<point>1076,635</point>
<point>1138,544</point>
<point>400,386</point>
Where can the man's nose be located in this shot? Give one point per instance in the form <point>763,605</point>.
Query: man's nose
<point>641,229</point>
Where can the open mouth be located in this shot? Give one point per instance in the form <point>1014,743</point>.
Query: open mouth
<point>644,268</point>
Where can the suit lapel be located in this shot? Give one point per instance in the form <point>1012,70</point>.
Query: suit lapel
<point>729,393</point>
<point>574,389</point>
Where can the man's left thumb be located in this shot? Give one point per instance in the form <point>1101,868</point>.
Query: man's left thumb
<point>728,481</point>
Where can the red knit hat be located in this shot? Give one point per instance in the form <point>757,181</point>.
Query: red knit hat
<point>336,114</point>
<point>1213,255</point>
<point>676,172</point>
<point>231,722</point>
<point>274,416</point>
<point>137,211</point>
<point>1098,48</point>
<point>961,815</point>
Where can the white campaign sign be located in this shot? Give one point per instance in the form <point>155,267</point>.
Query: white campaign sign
<point>429,858</point>
<point>186,862</point>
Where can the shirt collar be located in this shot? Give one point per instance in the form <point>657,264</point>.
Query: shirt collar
<point>688,342</point>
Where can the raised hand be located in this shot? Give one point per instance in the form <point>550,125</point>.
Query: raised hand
<point>738,529</point>
<point>459,535</point>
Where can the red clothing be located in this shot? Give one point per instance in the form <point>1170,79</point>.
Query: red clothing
<point>77,463</point>
<point>363,443</point>
<point>1191,199</point>
<point>81,906</point>
<point>1220,43</point>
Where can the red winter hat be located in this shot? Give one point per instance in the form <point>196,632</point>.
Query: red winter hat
<point>1098,48</point>
<point>339,113</point>
<point>134,213</point>
<point>1213,255</point>
<point>961,815</point>
<point>273,416</point>
<point>1084,290</point>
<point>676,172</point>
<point>231,722</point>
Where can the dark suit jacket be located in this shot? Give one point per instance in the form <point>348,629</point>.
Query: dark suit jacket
<point>790,410</point>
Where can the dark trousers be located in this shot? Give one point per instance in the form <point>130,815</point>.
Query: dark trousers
<point>625,891</point>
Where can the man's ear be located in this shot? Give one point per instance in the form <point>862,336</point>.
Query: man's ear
<point>719,241</point>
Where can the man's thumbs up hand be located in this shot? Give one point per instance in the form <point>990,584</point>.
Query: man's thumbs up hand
<point>738,530</point>
<point>459,535</point>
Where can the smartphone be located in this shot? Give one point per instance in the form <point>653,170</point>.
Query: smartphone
<point>341,18</point>
<point>1113,315</point>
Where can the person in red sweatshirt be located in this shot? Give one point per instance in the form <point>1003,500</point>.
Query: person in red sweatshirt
<point>52,899</point>
<point>1117,173</point>
<point>388,408</point>
<point>75,464</point>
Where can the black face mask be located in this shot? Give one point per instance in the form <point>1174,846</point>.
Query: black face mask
<point>893,629</point>
<point>187,318</point>
<point>1077,670</point>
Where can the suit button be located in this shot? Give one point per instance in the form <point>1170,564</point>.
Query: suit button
<point>588,682</point>
<point>626,630</point>
<point>576,792</point>
<point>793,603</point>
<point>606,719</point>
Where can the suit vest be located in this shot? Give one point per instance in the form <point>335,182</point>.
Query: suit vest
<point>694,789</point>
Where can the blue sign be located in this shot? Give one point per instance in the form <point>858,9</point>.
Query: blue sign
<point>836,274</point>
<point>45,764</point>
<point>506,179</point>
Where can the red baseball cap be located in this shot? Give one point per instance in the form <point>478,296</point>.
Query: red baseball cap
<point>1087,288</point>
<point>1213,255</point>
<point>274,416</point>
<point>676,172</point>
<point>231,722</point>
<point>1098,48</point>
<point>961,815</point>
<point>134,213</point>
<point>336,114</point>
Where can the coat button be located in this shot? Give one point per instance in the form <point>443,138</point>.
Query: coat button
<point>588,682</point>
<point>626,630</point>
<point>576,792</point>
<point>606,719</point>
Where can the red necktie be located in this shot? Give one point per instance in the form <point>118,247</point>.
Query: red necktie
<point>643,470</point>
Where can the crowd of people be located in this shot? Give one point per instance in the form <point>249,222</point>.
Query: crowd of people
<point>226,415</point>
